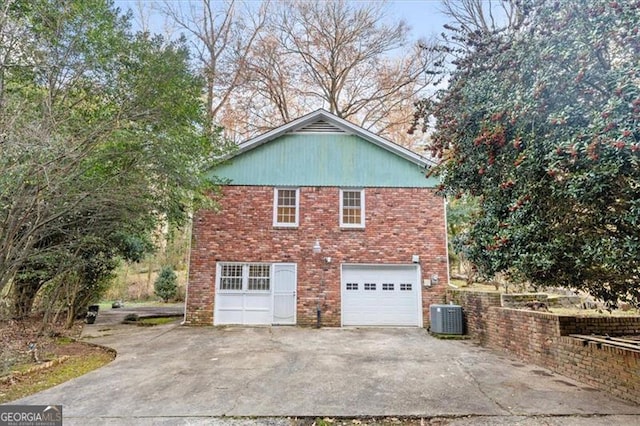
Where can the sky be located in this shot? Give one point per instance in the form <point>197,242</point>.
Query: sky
<point>423,16</point>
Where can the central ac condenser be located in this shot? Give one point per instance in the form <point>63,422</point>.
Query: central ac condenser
<point>446,319</point>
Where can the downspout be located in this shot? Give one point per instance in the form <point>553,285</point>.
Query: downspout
<point>318,309</point>
<point>446,241</point>
<point>317,249</point>
<point>186,291</point>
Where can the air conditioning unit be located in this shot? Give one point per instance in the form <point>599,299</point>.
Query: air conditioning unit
<point>446,319</point>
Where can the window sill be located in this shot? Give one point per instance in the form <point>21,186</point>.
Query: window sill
<point>352,228</point>
<point>285,227</point>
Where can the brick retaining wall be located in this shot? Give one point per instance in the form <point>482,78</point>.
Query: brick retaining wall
<point>542,338</point>
<point>475,309</point>
<point>527,334</point>
<point>613,326</point>
<point>612,369</point>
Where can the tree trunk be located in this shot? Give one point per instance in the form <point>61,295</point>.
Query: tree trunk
<point>71,316</point>
<point>49,308</point>
<point>24,294</point>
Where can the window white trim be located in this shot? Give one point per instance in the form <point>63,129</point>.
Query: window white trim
<point>236,280</point>
<point>245,277</point>
<point>278,223</point>
<point>361,224</point>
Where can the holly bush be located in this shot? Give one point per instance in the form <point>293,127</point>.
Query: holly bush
<point>542,124</point>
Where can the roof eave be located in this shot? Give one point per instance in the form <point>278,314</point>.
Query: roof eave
<point>338,122</point>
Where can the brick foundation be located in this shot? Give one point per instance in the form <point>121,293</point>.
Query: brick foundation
<point>400,222</point>
<point>543,338</point>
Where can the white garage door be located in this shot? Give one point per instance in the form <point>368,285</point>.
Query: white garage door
<point>382,295</point>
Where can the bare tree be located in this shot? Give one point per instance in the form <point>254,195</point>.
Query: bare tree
<point>223,34</point>
<point>351,61</point>
<point>273,92</point>
<point>267,65</point>
<point>274,75</point>
<point>485,16</point>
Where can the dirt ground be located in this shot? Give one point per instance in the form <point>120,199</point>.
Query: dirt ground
<point>27,352</point>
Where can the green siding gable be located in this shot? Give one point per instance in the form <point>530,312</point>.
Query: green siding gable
<point>322,160</point>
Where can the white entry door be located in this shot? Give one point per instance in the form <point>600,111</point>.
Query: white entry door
<point>381,295</point>
<point>284,293</point>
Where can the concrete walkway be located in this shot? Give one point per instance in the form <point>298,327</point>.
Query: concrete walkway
<point>186,375</point>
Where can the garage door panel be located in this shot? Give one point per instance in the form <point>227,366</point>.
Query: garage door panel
<point>243,308</point>
<point>384,300</point>
<point>383,295</point>
<point>256,316</point>
<point>230,302</point>
<point>374,318</point>
<point>229,316</point>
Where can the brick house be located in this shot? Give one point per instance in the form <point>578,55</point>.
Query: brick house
<point>321,222</point>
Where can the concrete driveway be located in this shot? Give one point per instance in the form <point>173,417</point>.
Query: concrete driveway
<point>182,375</point>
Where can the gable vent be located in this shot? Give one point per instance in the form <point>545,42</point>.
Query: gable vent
<point>319,126</point>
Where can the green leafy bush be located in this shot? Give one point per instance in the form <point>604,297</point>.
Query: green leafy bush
<point>131,318</point>
<point>166,285</point>
<point>540,125</point>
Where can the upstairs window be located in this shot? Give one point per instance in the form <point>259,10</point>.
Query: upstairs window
<point>352,208</point>
<point>285,207</point>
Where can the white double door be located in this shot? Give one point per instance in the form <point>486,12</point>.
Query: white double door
<point>275,305</point>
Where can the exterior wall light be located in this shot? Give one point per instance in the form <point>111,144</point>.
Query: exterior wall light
<point>435,279</point>
<point>316,247</point>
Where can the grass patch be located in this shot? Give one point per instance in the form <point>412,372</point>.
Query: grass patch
<point>458,283</point>
<point>37,381</point>
<point>21,368</point>
<point>156,321</point>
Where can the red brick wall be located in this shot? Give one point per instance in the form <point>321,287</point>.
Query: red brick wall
<point>475,308</point>
<point>541,338</point>
<point>613,326</point>
<point>400,222</point>
<point>527,334</point>
<point>605,367</point>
